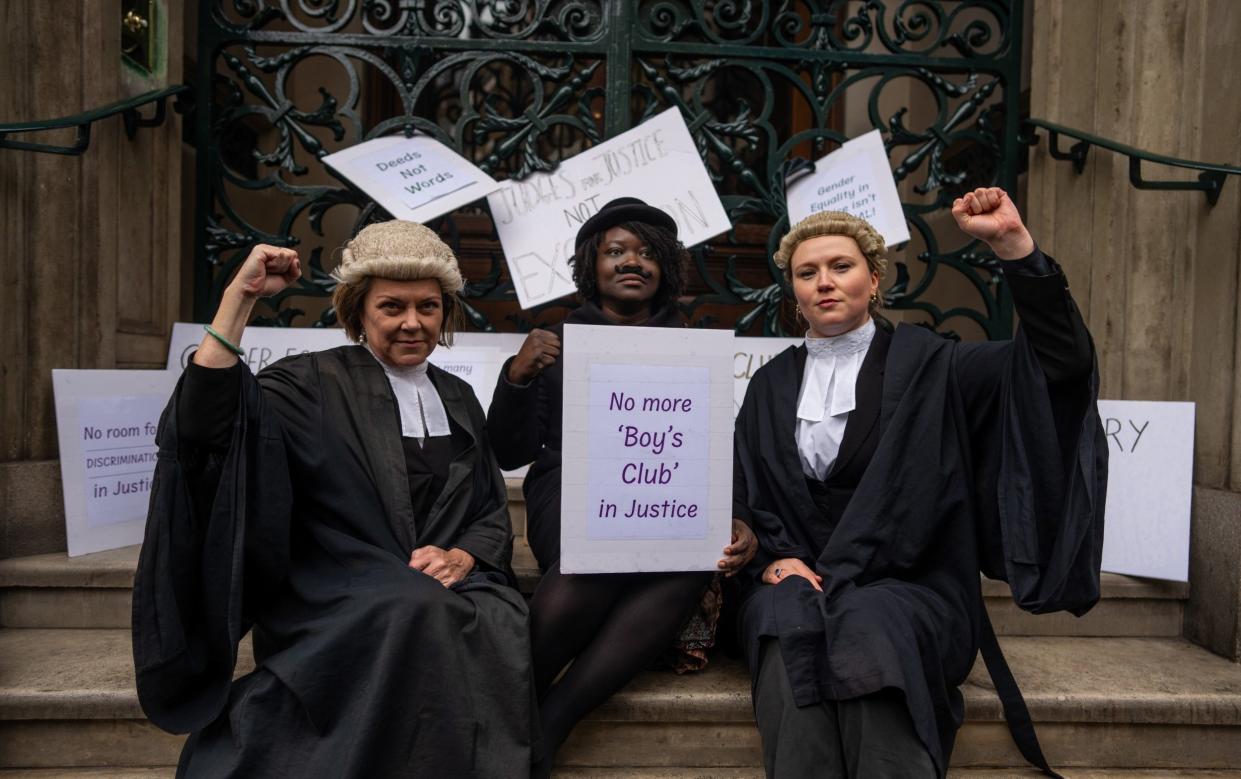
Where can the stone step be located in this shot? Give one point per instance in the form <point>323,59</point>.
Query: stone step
<point>93,591</point>
<point>685,772</point>
<point>680,772</point>
<point>67,700</point>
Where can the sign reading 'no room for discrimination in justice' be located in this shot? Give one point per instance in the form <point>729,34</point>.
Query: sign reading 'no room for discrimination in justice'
<point>646,483</point>
<point>106,423</point>
<point>415,178</point>
<point>856,179</point>
<point>538,218</point>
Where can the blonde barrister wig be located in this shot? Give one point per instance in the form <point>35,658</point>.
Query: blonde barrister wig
<point>401,251</point>
<point>835,223</point>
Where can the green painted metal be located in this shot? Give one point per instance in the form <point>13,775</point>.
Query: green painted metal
<point>517,85</point>
<point>1210,180</point>
<point>128,109</point>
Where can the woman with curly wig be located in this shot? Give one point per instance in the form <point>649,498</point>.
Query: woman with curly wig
<point>346,506</point>
<point>629,269</point>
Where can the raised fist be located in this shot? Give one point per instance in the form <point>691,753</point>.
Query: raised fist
<point>267,271</point>
<point>990,215</point>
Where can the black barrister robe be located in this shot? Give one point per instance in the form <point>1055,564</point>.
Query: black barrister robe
<point>303,529</point>
<point>524,424</point>
<point>959,458</point>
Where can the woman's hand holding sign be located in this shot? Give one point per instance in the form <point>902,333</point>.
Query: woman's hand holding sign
<point>740,550</point>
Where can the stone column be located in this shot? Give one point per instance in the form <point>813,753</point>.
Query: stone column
<point>1156,272</point>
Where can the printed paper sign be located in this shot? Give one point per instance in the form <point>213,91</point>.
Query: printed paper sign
<point>856,179</point>
<point>646,483</point>
<point>415,178</point>
<point>750,354</point>
<point>106,423</point>
<point>538,218</point>
<point>475,357</point>
<point>1149,486</point>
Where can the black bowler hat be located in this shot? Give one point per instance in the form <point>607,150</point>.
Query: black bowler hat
<point>620,211</point>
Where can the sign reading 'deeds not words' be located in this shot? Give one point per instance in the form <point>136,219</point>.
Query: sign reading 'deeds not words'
<point>646,481</point>
<point>415,178</point>
<point>856,179</point>
<point>1149,487</point>
<point>106,423</point>
<point>538,218</point>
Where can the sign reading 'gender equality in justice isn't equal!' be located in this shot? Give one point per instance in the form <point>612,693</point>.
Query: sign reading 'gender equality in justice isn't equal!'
<point>856,179</point>
<point>415,178</point>
<point>646,482</point>
<point>538,218</point>
<point>106,423</point>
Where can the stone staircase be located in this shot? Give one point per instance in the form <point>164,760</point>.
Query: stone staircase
<point>1116,693</point>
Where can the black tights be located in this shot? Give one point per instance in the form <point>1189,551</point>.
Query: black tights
<point>611,626</point>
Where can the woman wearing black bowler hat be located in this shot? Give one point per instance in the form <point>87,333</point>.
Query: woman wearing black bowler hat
<point>629,269</point>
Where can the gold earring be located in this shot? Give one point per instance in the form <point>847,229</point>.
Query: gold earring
<point>874,296</point>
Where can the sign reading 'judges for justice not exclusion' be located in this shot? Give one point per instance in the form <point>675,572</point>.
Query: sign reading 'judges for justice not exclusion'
<point>106,423</point>
<point>646,481</point>
<point>538,218</point>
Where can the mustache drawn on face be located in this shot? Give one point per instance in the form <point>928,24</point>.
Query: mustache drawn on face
<point>636,270</point>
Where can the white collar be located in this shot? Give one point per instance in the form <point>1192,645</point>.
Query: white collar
<point>421,408</point>
<point>828,386</point>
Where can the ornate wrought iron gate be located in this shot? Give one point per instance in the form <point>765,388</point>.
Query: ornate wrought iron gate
<point>517,85</point>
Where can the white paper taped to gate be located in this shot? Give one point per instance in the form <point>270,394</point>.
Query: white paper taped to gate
<point>646,481</point>
<point>415,178</point>
<point>538,218</point>
<point>856,179</point>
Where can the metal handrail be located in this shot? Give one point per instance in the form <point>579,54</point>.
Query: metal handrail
<point>128,109</point>
<point>1210,180</point>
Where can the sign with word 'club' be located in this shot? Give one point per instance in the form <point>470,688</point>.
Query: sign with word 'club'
<point>646,483</point>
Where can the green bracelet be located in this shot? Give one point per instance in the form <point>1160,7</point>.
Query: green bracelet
<point>232,347</point>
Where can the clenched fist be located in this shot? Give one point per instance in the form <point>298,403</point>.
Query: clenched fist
<point>990,215</point>
<point>540,349</point>
<point>267,270</point>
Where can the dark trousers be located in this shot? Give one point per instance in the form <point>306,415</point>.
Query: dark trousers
<point>871,737</point>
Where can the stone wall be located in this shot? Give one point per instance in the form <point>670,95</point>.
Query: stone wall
<point>90,260</point>
<point>1156,272</point>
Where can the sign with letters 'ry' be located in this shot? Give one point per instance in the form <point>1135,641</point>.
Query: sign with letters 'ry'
<point>538,218</point>
<point>646,483</point>
<point>1150,478</point>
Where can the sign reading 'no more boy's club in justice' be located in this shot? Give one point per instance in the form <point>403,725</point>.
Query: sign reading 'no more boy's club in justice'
<point>538,218</point>
<point>647,453</point>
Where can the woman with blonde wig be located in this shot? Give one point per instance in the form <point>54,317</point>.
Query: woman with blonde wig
<point>881,471</point>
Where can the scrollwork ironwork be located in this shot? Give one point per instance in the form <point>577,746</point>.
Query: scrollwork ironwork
<point>518,85</point>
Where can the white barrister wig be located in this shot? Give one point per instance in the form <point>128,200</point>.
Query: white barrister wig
<point>401,251</point>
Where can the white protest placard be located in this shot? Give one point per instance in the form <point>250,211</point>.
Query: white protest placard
<point>646,481</point>
<point>856,179</point>
<point>1149,486</point>
<point>415,178</point>
<point>106,423</point>
<point>750,354</point>
<point>475,357</point>
<point>538,218</point>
